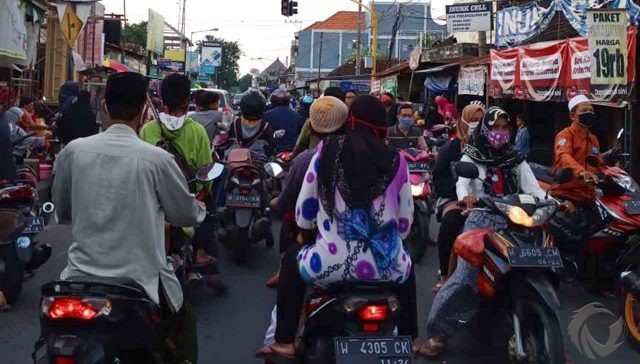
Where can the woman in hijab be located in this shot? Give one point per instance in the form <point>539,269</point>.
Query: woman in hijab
<point>362,208</point>
<point>505,173</point>
<point>444,182</point>
<point>79,121</point>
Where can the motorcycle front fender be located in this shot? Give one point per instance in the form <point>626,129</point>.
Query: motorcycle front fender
<point>538,286</point>
<point>243,217</point>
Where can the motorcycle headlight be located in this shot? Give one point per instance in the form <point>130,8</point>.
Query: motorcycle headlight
<point>416,190</point>
<point>235,180</point>
<point>519,216</point>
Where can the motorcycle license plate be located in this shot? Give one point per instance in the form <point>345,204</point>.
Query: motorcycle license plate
<point>418,167</point>
<point>392,350</point>
<point>33,225</point>
<point>534,257</point>
<point>250,201</point>
<point>632,207</point>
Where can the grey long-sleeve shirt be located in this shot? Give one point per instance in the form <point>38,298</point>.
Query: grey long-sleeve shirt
<point>117,191</point>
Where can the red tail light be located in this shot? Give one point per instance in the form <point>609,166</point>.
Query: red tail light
<point>225,111</point>
<point>64,360</point>
<point>71,308</point>
<point>374,313</point>
<point>244,191</point>
<point>370,327</point>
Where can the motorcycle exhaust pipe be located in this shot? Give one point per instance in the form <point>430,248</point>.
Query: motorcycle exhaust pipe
<point>631,282</point>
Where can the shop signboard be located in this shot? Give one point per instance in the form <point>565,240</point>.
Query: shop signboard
<point>360,86</point>
<point>469,17</point>
<point>471,80</point>
<point>559,71</point>
<point>164,62</point>
<point>376,85</point>
<point>390,84</point>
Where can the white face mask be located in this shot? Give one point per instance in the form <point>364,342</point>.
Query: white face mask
<point>472,127</point>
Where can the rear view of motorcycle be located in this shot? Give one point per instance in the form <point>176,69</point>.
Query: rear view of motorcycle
<point>517,275</point>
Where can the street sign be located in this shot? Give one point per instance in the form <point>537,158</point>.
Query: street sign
<point>70,26</point>
<point>469,17</point>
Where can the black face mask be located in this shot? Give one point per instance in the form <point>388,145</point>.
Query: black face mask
<point>587,119</point>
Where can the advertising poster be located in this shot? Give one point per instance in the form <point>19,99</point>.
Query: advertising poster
<point>608,46</point>
<point>212,53</point>
<point>155,33</point>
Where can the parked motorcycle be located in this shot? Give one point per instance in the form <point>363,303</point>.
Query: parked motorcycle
<point>354,322</point>
<point>517,275</point>
<point>96,320</point>
<point>419,162</point>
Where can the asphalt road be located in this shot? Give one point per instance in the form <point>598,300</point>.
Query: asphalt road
<point>230,328</point>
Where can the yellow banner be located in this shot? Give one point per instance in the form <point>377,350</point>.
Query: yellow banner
<point>174,54</point>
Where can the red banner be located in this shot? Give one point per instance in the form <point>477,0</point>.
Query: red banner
<point>555,72</point>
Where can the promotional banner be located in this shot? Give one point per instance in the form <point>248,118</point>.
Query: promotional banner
<point>177,55</point>
<point>518,24</point>
<point>155,33</point>
<point>472,17</point>
<point>608,46</point>
<point>90,43</point>
<point>561,70</point>
<point>471,80</point>
<point>212,52</point>
<point>192,62</point>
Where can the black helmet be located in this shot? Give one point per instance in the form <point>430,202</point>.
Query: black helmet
<point>252,105</point>
<point>280,98</point>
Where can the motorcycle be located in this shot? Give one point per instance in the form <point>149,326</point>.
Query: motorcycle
<point>22,218</point>
<point>246,216</point>
<point>517,275</point>
<point>92,320</point>
<point>419,162</point>
<point>353,322</point>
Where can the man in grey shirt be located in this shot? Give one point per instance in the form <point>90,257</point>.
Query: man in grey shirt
<point>210,116</point>
<point>117,192</point>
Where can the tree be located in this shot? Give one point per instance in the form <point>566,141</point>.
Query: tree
<point>136,34</point>
<point>245,82</point>
<point>227,73</point>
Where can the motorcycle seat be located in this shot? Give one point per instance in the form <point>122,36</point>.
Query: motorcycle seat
<point>542,173</point>
<point>104,285</point>
<point>362,286</point>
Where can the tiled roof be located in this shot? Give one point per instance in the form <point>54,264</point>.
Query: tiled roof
<point>342,20</point>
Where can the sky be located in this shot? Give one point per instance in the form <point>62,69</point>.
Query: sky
<point>256,24</point>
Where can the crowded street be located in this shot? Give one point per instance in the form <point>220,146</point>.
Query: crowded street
<point>319,182</point>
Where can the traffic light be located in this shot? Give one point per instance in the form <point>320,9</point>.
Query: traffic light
<point>284,7</point>
<point>293,8</point>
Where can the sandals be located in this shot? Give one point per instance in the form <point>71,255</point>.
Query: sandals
<point>430,348</point>
<point>270,354</point>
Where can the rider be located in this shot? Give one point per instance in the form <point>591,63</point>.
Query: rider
<point>505,173</point>
<point>250,130</point>
<point>404,134</point>
<point>28,124</point>
<point>189,143</point>
<point>308,138</point>
<point>573,146</point>
<point>444,181</point>
<point>128,189</point>
<point>209,115</point>
<point>345,186</point>
<point>281,117</point>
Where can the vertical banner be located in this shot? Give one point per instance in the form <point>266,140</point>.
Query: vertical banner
<point>608,50</point>
<point>471,80</point>
<point>155,33</point>
<point>540,71</point>
<point>212,53</point>
<point>503,73</point>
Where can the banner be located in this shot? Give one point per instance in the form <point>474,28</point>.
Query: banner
<point>608,47</point>
<point>559,71</point>
<point>13,30</point>
<point>177,55</point>
<point>155,33</point>
<point>471,80</point>
<point>212,52</point>
<point>192,62</point>
<point>518,24</point>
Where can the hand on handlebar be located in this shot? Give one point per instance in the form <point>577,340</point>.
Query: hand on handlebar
<point>568,207</point>
<point>588,177</point>
<point>469,202</point>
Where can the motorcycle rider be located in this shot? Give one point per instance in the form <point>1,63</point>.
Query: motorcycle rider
<point>188,141</point>
<point>405,134</point>
<point>444,181</point>
<point>308,138</point>
<point>573,146</point>
<point>349,97</point>
<point>250,130</point>
<point>129,188</point>
<point>209,116</point>
<point>345,187</point>
<point>281,117</point>
<point>499,165</point>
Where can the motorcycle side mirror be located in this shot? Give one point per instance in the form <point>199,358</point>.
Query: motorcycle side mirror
<point>592,160</point>
<point>274,170</point>
<point>209,172</point>
<point>563,175</point>
<point>620,133</point>
<point>279,134</point>
<point>467,170</point>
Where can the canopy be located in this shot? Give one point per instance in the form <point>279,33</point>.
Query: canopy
<point>115,65</point>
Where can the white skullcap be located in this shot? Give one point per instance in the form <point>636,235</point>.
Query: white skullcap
<point>577,100</point>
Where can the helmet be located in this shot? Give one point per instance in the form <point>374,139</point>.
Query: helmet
<point>280,98</point>
<point>307,99</point>
<point>252,105</point>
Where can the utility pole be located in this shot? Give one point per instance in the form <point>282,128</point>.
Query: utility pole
<point>359,42</point>
<point>394,33</point>
<point>320,60</point>
<point>482,41</point>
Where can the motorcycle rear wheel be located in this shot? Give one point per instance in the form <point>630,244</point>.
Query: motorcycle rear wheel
<point>418,239</point>
<point>541,336</point>
<point>631,309</point>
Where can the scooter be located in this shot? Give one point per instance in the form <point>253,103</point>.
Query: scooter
<point>419,162</point>
<point>96,320</point>
<point>517,275</point>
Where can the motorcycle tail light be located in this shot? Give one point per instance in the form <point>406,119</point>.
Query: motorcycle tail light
<point>370,327</point>
<point>75,308</point>
<point>64,360</point>
<point>352,305</point>
<point>244,191</point>
<point>374,313</point>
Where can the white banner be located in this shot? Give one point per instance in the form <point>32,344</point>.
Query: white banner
<point>471,81</point>
<point>580,65</point>
<point>540,68</point>
<point>13,39</point>
<point>608,46</point>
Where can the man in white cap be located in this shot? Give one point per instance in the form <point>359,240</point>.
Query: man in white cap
<point>573,146</point>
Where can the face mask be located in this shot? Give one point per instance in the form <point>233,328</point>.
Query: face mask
<point>405,122</point>
<point>587,119</point>
<point>498,138</point>
<point>472,127</point>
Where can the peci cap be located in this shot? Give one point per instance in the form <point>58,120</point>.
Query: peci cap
<point>328,114</point>
<point>577,100</point>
